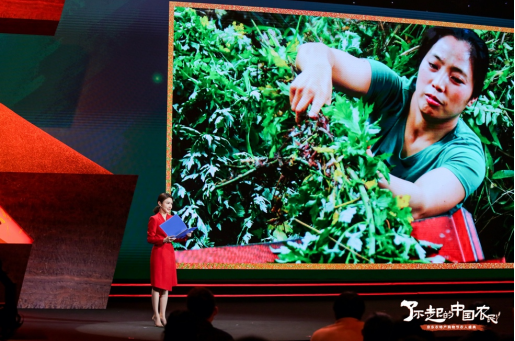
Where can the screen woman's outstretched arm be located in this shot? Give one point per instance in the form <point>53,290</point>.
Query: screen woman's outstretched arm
<point>322,68</point>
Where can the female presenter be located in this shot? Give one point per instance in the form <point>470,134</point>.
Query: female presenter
<point>163,274</point>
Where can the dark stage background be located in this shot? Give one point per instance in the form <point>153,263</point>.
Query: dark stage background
<point>99,86</point>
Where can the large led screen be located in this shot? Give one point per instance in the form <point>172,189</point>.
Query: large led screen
<point>331,140</point>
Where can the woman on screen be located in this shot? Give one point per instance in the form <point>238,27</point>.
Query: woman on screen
<point>163,275</point>
<point>437,159</point>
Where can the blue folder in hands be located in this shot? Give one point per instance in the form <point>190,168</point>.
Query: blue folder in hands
<point>184,233</point>
<point>175,227</point>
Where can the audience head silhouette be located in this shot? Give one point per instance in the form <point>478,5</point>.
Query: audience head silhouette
<point>379,326</point>
<point>349,304</point>
<point>182,326</point>
<point>348,310</point>
<point>201,302</point>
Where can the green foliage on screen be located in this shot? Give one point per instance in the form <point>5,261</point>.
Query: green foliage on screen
<point>491,118</point>
<point>244,172</point>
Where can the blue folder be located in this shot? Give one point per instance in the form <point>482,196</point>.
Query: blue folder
<point>175,227</point>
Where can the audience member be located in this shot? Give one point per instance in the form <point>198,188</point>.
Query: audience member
<point>411,331</point>
<point>201,303</point>
<point>378,327</point>
<point>10,320</point>
<point>487,334</point>
<point>348,310</point>
<point>182,325</point>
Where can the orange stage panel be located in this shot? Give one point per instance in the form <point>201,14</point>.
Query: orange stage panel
<point>26,148</point>
<point>10,231</point>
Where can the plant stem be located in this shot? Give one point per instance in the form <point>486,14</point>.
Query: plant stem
<point>503,152</point>
<point>334,240</point>
<point>261,34</point>
<point>413,49</point>
<point>507,244</point>
<point>311,137</point>
<point>240,176</point>
<point>368,211</point>
<point>239,167</point>
<point>297,29</point>
<point>347,203</point>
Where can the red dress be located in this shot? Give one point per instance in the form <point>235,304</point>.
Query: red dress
<point>163,274</point>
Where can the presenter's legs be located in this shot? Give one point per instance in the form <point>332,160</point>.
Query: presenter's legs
<point>163,300</point>
<point>155,306</point>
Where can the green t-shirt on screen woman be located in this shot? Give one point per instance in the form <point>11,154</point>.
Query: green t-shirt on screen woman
<point>460,151</point>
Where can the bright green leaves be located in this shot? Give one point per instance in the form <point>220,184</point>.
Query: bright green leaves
<point>491,118</point>
<point>503,174</point>
<point>346,215</point>
<point>226,123</point>
<point>355,221</point>
<point>244,172</point>
<point>347,115</point>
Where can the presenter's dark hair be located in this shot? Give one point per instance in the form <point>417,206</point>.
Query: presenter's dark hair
<point>201,302</point>
<point>349,304</point>
<point>478,51</point>
<point>162,197</point>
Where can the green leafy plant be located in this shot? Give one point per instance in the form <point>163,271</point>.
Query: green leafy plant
<point>244,172</point>
<point>491,117</point>
<point>353,220</point>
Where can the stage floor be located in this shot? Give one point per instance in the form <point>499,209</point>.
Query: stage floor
<point>294,318</point>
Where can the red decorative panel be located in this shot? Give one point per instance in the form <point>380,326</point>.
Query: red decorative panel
<point>77,222</point>
<point>10,231</point>
<point>26,148</point>
<point>15,247</point>
<point>30,16</point>
<point>73,209</point>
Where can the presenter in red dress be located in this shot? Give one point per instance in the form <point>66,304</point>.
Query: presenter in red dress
<point>163,275</point>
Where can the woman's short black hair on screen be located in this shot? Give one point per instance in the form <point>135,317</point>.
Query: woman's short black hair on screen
<point>478,51</point>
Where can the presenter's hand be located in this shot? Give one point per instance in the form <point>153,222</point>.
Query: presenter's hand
<point>313,86</point>
<point>188,235</point>
<point>168,239</point>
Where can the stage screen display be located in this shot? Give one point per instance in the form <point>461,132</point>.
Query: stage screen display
<point>315,186</point>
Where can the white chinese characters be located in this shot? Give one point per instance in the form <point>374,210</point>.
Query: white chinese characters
<point>440,315</point>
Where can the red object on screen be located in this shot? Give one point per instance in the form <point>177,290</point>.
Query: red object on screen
<point>457,233</point>
<point>258,253</point>
<point>26,148</point>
